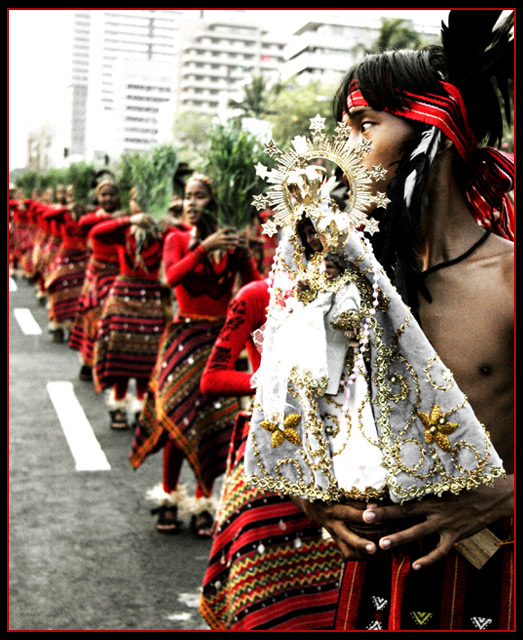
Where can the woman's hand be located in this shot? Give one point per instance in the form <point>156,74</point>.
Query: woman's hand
<point>138,218</point>
<point>221,240</point>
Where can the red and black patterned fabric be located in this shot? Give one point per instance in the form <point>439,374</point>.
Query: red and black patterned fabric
<point>270,568</point>
<point>131,326</point>
<point>175,408</point>
<point>381,595</point>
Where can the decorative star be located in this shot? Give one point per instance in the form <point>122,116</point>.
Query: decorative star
<point>366,146</point>
<point>262,171</point>
<point>269,228</point>
<point>260,202</point>
<point>381,200</point>
<point>271,148</point>
<point>437,429</point>
<point>378,172</point>
<point>289,432</point>
<point>317,123</point>
<point>371,226</point>
<point>343,130</point>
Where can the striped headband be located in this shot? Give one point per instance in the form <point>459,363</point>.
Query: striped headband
<point>491,172</point>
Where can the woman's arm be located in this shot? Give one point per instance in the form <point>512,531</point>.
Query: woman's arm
<point>246,313</point>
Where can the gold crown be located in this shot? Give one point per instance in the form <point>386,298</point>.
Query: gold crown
<point>297,186</point>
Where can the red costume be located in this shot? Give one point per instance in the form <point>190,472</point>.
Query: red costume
<point>269,567</point>
<point>176,413</point>
<point>101,271</point>
<point>66,273</point>
<point>133,315</point>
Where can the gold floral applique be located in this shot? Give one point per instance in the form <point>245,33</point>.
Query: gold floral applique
<point>289,432</point>
<point>437,429</point>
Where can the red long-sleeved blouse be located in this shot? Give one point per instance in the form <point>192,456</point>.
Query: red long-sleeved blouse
<point>202,284</point>
<point>247,312</point>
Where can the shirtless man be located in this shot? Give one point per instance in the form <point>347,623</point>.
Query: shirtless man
<point>465,306</point>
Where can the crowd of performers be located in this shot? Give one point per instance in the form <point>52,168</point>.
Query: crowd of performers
<point>160,313</point>
<point>175,304</point>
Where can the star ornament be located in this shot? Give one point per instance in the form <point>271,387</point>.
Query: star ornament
<point>260,202</point>
<point>378,172</point>
<point>271,148</point>
<point>317,123</point>
<point>437,429</point>
<point>269,228</point>
<point>262,171</point>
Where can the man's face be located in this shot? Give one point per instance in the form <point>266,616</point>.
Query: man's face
<point>388,134</point>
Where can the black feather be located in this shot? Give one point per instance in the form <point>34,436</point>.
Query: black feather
<point>480,53</point>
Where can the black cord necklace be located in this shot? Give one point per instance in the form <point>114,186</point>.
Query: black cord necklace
<point>449,263</point>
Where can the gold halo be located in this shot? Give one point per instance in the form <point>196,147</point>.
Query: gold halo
<point>320,147</point>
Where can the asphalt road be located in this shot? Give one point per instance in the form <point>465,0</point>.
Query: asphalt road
<point>84,553</point>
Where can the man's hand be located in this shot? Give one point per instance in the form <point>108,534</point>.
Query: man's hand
<point>452,517</point>
<point>335,519</point>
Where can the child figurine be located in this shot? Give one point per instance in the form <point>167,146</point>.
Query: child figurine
<point>326,315</point>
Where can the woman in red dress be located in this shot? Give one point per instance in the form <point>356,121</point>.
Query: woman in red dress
<point>133,316</point>
<point>202,266</point>
<point>102,269</point>
<point>66,274</point>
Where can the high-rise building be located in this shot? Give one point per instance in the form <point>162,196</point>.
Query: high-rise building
<point>220,53</point>
<point>133,70</point>
<point>124,67</point>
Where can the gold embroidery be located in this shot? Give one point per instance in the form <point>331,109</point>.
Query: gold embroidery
<point>278,436</point>
<point>437,429</point>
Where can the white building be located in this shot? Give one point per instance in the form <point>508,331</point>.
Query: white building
<point>124,66</point>
<point>327,49</point>
<point>134,69</point>
<point>220,53</point>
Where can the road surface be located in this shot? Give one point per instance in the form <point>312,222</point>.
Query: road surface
<point>84,553</point>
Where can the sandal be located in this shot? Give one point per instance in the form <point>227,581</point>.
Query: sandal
<point>58,335</point>
<point>86,373</point>
<point>202,525</point>
<point>167,518</point>
<point>119,419</point>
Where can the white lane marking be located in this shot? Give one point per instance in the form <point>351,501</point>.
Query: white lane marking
<point>86,450</point>
<point>27,323</point>
<point>12,284</point>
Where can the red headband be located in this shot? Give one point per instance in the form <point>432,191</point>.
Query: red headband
<point>491,170</point>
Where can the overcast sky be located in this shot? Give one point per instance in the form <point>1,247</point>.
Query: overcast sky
<point>38,67</point>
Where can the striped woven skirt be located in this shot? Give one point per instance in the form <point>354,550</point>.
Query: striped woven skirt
<point>64,284</point>
<point>175,408</point>
<point>269,568</point>
<point>131,326</point>
<point>451,595</point>
<point>44,252</point>
<point>99,277</point>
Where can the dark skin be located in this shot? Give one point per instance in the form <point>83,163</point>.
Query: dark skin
<point>470,324</point>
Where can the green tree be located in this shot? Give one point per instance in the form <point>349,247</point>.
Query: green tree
<point>297,105</point>
<point>80,175</point>
<point>258,99</point>
<point>191,133</point>
<point>231,161</point>
<point>395,33</point>
<point>151,172</point>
